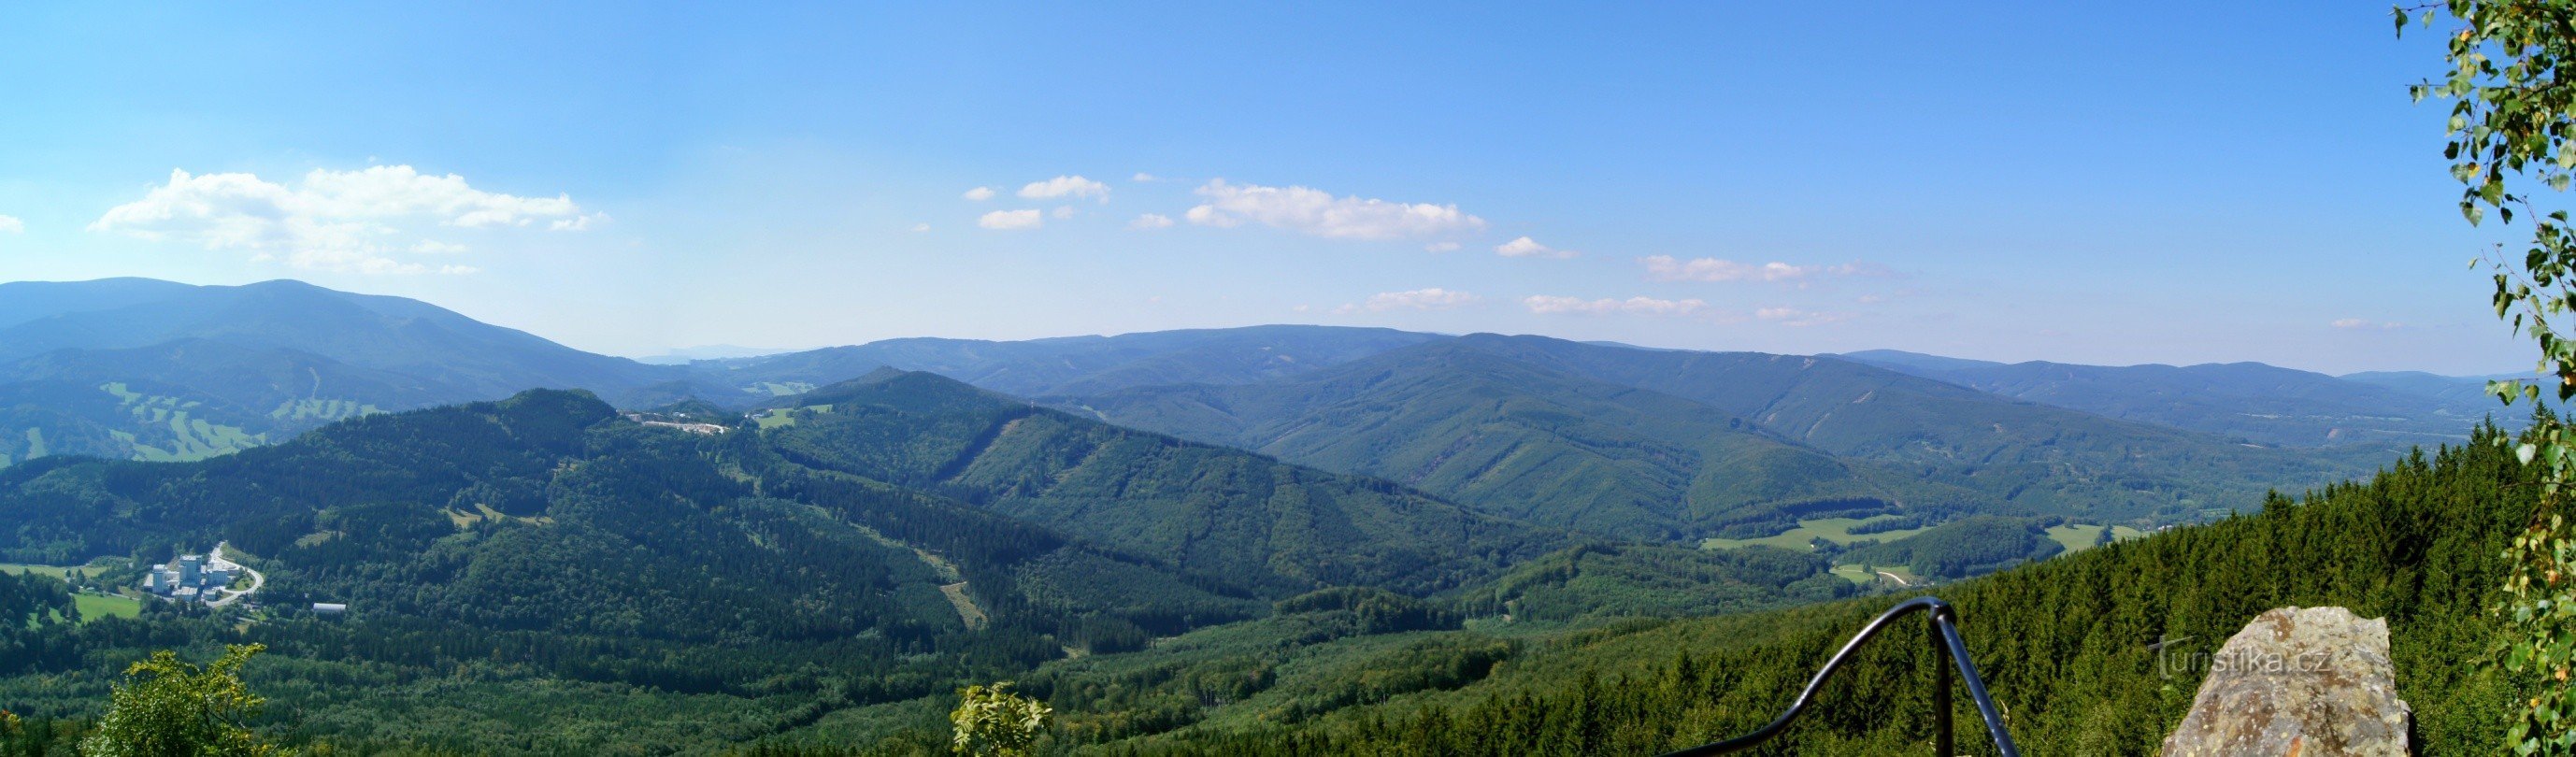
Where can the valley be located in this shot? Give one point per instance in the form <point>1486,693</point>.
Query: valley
<point>1281,539</point>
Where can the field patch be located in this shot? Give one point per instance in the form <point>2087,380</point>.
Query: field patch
<point>2078,537</point>
<point>1836,530</point>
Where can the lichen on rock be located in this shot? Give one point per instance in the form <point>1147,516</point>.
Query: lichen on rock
<point>2300,682</point>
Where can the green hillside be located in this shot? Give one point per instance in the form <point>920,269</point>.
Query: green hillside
<point>531,549</point>
<point>2253,401</point>
<point>1209,510</point>
<point>1081,364</point>
<point>2063,644</point>
<point>1530,443</point>
<point>2041,460</point>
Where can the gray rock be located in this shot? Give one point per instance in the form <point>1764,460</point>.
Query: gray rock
<point>2298,682</point>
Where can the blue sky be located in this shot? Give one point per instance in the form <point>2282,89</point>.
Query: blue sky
<point>2163,183</point>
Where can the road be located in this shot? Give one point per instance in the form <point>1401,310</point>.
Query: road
<point>216,559</point>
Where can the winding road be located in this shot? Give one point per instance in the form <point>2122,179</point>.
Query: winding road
<point>216,559</point>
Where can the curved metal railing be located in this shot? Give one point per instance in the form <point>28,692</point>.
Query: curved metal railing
<point>1946,648</point>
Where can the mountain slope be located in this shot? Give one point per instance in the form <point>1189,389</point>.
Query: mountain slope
<point>2036,458</point>
<point>1212,511</point>
<point>2093,653</point>
<point>1521,441</point>
<point>2254,401</point>
<point>1077,364</point>
<point>154,370</point>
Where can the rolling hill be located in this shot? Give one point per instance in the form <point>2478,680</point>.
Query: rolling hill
<point>2253,401</point>
<point>1074,365</point>
<point>1526,442</point>
<point>1211,511</point>
<point>1482,418</point>
<point>147,369</point>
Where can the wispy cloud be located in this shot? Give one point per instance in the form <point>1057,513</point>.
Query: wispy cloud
<point>344,221</point>
<point>978,194</point>
<point>1151,221</point>
<point>1526,247</point>
<point>1011,220</point>
<point>1441,247</point>
<point>1065,186</point>
<point>11,225</point>
<point>1319,213</point>
<point>1668,268</point>
<point>1796,317</point>
<point>1434,298</point>
<point>1549,305</point>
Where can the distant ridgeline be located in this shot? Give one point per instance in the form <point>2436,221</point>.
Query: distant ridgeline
<point>1606,439</point>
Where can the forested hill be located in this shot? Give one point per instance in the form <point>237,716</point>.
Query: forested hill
<point>1209,510</point>
<point>135,368</point>
<point>2064,644</point>
<point>1644,442</point>
<point>2264,403</point>
<point>1082,364</point>
<point>1525,441</point>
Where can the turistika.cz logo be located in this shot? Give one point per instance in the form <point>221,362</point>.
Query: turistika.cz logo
<point>2171,662</point>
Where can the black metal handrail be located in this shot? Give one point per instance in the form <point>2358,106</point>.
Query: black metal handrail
<point>1946,648</point>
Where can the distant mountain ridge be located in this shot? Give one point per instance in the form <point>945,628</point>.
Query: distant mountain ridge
<point>1522,441</point>
<point>1608,438</point>
<point>1643,442</point>
<point>2258,402</point>
<point>155,370</point>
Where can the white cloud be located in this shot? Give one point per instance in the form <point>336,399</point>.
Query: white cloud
<point>1063,211</point>
<point>2363,324</point>
<point>1065,186</point>
<point>1319,213</point>
<point>1142,177</point>
<point>1526,247</point>
<point>1151,221</point>
<point>1547,305</point>
<point>1441,247</point>
<point>978,194</point>
<point>1011,220</point>
<point>920,227</point>
<point>1796,317</point>
<point>345,221</point>
<point>435,247</point>
<point>458,270</point>
<point>1434,298</point>
<point>1666,268</point>
<point>11,225</point>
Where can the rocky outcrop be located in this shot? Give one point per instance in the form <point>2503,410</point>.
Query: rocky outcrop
<point>2297,682</point>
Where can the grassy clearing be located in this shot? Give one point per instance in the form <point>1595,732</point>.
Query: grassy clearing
<point>2078,537</point>
<point>1836,530</point>
<point>93,606</point>
<point>776,389</point>
<point>56,571</point>
<point>322,410</point>
<point>1854,574</point>
<point>785,417</point>
<point>190,438</point>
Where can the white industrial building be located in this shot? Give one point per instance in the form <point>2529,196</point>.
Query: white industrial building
<point>191,578</point>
